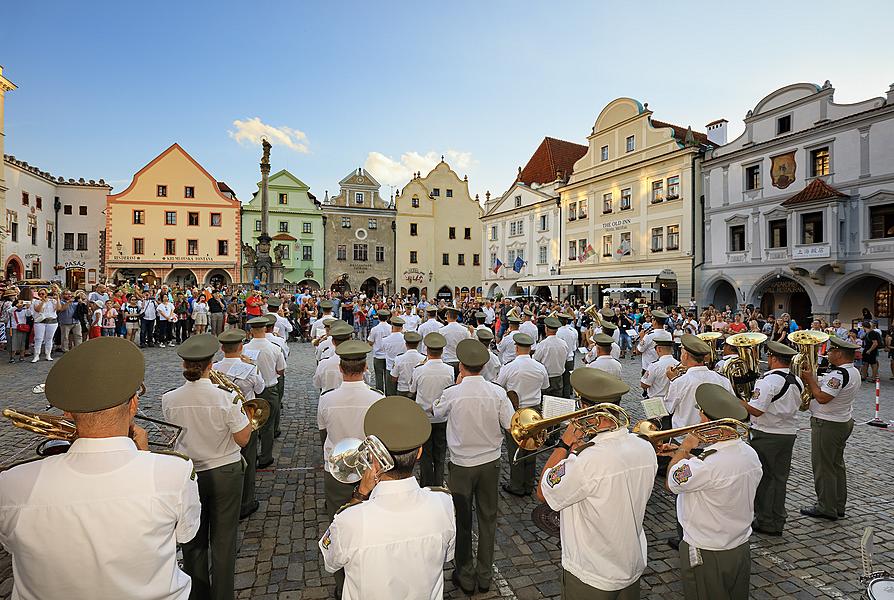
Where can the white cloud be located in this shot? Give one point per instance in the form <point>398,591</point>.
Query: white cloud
<point>398,172</point>
<point>252,130</point>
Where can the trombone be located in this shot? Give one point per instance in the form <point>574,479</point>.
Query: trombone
<point>720,430</point>
<point>257,409</point>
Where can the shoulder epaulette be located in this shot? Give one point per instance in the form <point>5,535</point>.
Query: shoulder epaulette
<point>171,453</point>
<point>451,385</point>
<point>438,488</point>
<point>706,454</point>
<point>20,463</point>
<point>327,391</point>
<point>582,448</point>
<point>402,353</point>
<point>376,391</point>
<point>348,505</point>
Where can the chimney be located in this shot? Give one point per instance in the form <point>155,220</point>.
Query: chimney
<point>717,132</point>
<point>890,95</point>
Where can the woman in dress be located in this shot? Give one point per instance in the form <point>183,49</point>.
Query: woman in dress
<point>200,314</point>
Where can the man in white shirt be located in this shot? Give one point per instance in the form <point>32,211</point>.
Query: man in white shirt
<point>655,381</point>
<point>506,346</point>
<point>568,334</point>
<point>402,371</point>
<point>281,379</point>
<point>715,504</point>
<point>774,424</point>
<point>429,381</point>
<point>477,411</point>
<point>429,325</point>
<point>454,333</point>
<point>526,379</point>
<point>604,361</point>
<point>147,321</point>
<point>600,489</point>
<point>611,330</point>
<point>271,364</point>
<point>394,537</point>
<point>328,375</point>
<point>831,424</point>
<point>316,330</point>
<point>527,326</point>
<point>489,313</point>
<point>729,353</point>
<point>283,327</point>
<point>393,346</point>
<point>411,319</point>
<point>552,352</point>
<point>680,398</point>
<point>123,509</point>
<point>376,336</point>
<point>646,346</point>
<point>492,369</point>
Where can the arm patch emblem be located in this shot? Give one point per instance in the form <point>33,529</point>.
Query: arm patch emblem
<point>682,474</point>
<point>834,383</point>
<point>555,475</point>
<point>327,540</point>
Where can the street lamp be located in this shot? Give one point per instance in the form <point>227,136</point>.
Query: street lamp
<point>552,270</point>
<point>120,247</point>
<point>430,275</point>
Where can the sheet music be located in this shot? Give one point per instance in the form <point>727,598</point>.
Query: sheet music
<point>251,353</point>
<point>582,350</point>
<point>554,406</point>
<point>654,407</point>
<point>239,370</point>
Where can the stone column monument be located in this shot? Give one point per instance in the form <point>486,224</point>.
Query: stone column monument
<point>263,270</point>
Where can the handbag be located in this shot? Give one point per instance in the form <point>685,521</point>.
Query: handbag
<point>23,327</point>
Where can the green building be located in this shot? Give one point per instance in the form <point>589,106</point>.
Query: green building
<point>295,224</point>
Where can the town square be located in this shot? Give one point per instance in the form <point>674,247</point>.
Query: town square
<point>446,301</point>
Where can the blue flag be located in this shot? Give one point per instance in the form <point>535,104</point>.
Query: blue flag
<point>518,264</point>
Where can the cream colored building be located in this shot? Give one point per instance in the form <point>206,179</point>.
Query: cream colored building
<point>5,86</point>
<point>629,209</point>
<point>174,224</point>
<point>438,237</point>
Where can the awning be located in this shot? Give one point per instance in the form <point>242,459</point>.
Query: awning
<point>624,290</point>
<point>618,276</point>
<point>535,280</point>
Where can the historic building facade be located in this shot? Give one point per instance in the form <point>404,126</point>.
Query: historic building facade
<point>438,249</point>
<point>522,227</point>
<point>799,209</point>
<point>5,86</point>
<point>296,226</point>
<point>174,224</point>
<point>358,237</point>
<point>629,209</point>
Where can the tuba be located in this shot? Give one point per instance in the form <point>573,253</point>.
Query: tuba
<point>593,312</point>
<point>721,430</point>
<point>710,338</point>
<point>808,343</point>
<point>351,458</point>
<point>743,370</point>
<point>257,410</point>
<point>530,430</point>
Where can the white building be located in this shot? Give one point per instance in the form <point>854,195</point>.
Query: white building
<point>524,224</point>
<point>54,226</point>
<point>799,209</point>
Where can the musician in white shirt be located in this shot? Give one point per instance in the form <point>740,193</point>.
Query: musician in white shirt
<point>393,346</point>
<point>402,372</point>
<point>646,346</point>
<point>604,362</point>
<point>411,319</point>
<point>429,325</point>
<point>528,326</point>
<point>506,346</point>
<point>680,398</point>
<point>327,375</point>
<point>655,381</point>
<point>376,336</point>
<point>429,381</point>
<point>552,353</point>
<point>492,368</point>
<point>568,334</point>
<point>454,333</point>
<point>271,364</point>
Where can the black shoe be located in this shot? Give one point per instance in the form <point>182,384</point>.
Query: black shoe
<point>813,512</point>
<point>276,434</point>
<point>483,590</point>
<point>455,580</point>
<point>509,490</point>
<point>265,464</point>
<point>12,360</point>
<point>841,515</point>
<point>673,543</point>
<point>245,513</point>
<point>764,530</point>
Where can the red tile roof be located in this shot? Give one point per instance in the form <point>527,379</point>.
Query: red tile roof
<point>225,188</point>
<point>680,132</point>
<point>552,155</point>
<point>815,190</point>
<point>284,237</point>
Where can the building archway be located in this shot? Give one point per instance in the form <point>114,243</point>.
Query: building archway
<point>515,290</point>
<point>414,293</point>
<point>785,295</point>
<point>445,293</point>
<point>864,291</point>
<point>341,285</point>
<point>543,291</point>
<point>217,278</point>
<point>493,290</point>
<point>181,277</point>
<point>14,267</point>
<point>370,287</point>
<point>309,284</point>
<point>721,293</point>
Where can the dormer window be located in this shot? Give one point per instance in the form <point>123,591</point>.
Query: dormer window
<point>358,198</point>
<point>604,153</point>
<point>415,202</point>
<point>631,143</point>
<point>517,201</point>
<point>783,124</point>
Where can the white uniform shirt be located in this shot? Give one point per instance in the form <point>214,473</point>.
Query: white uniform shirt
<point>324,349</point>
<point>403,368</point>
<point>393,545</point>
<point>328,374</point>
<point>780,416</point>
<point>454,333</point>
<point>506,347</point>
<point>646,345</point>
<point>680,398</point>
<point>376,336</point>
<point>245,376</point>
<point>492,369</point>
<point>411,321</point>
<point>318,329</point>
<point>279,342</point>
<point>209,416</point>
<point>715,496</point>
<point>840,409</point>
<point>568,334</point>
<point>283,326</point>
<point>552,353</point>
<point>489,314</point>
<point>341,412</point>
<point>721,362</point>
<point>601,494</point>
<point>527,378</point>
<point>608,364</point>
<point>529,328</point>
<point>477,411</point>
<point>121,513</point>
<point>656,375</point>
<point>270,359</point>
<point>427,326</point>
<point>393,346</point>
<point>429,382</point>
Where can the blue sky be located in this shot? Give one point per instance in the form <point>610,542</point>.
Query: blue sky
<point>105,86</point>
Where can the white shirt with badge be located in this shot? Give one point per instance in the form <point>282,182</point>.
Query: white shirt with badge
<point>608,364</point>
<point>506,347</point>
<point>492,369</point>
<point>267,356</point>
<point>531,329</point>
<point>646,345</point>
<point>477,411</point>
<point>121,511</point>
<point>429,382</point>
<point>403,368</point>
<point>454,333</point>
<point>209,416</point>
<point>780,415</point>
<point>552,352</point>
<point>328,375</point>
<point>680,398</point>
<point>279,343</point>
<point>568,334</point>
<point>393,346</point>
<point>715,495</point>
<point>246,376</point>
<point>324,349</point>
<point>341,412</point>
<point>393,545</point>
<point>656,375</point>
<point>526,377</point>
<point>377,335</point>
<point>841,408</point>
<point>426,327</point>
<point>601,494</point>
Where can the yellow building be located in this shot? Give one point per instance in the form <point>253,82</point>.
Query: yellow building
<point>438,237</point>
<point>629,209</point>
<point>174,224</point>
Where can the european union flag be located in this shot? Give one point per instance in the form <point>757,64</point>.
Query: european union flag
<point>518,264</point>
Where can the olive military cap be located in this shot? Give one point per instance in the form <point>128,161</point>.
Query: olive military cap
<point>659,314</point>
<point>230,336</point>
<point>96,375</point>
<point>274,302</point>
<point>694,345</point>
<point>607,312</point>
<point>843,344</point>
<point>271,319</point>
<point>412,337</point>
<point>397,321</point>
<point>398,422</point>
<point>198,347</point>
<point>600,339</point>
<point>485,335</point>
<point>523,339</point>
<point>326,304</point>
<point>718,403</point>
<point>431,309</point>
<point>434,340</point>
<point>513,319</point>
<point>528,312</point>
<point>480,315</point>
<point>610,327</point>
<point>257,322</point>
<point>780,349</point>
<point>472,353</point>
<point>353,350</point>
<point>340,329</point>
<point>384,314</point>
<point>564,315</point>
<point>595,385</point>
<point>664,342</point>
<point>452,309</point>
<point>552,322</point>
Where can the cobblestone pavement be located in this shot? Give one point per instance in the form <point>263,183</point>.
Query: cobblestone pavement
<point>278,557</point>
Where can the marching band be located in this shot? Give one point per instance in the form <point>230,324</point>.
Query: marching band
<point>447,395</point>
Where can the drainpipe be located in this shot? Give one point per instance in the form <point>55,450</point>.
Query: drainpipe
<point>559,264</point>
<point>57,205</point>
<point>394,252</point>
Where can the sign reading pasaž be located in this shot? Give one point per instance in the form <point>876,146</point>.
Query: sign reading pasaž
<point>156,259</point>
<point>616,224</point>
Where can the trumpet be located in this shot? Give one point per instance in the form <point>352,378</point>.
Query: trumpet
<point>257,410</point>
<point>678,370</point>
<point>720,430</point>
<point>808,343</point>
<point>530,430</point>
